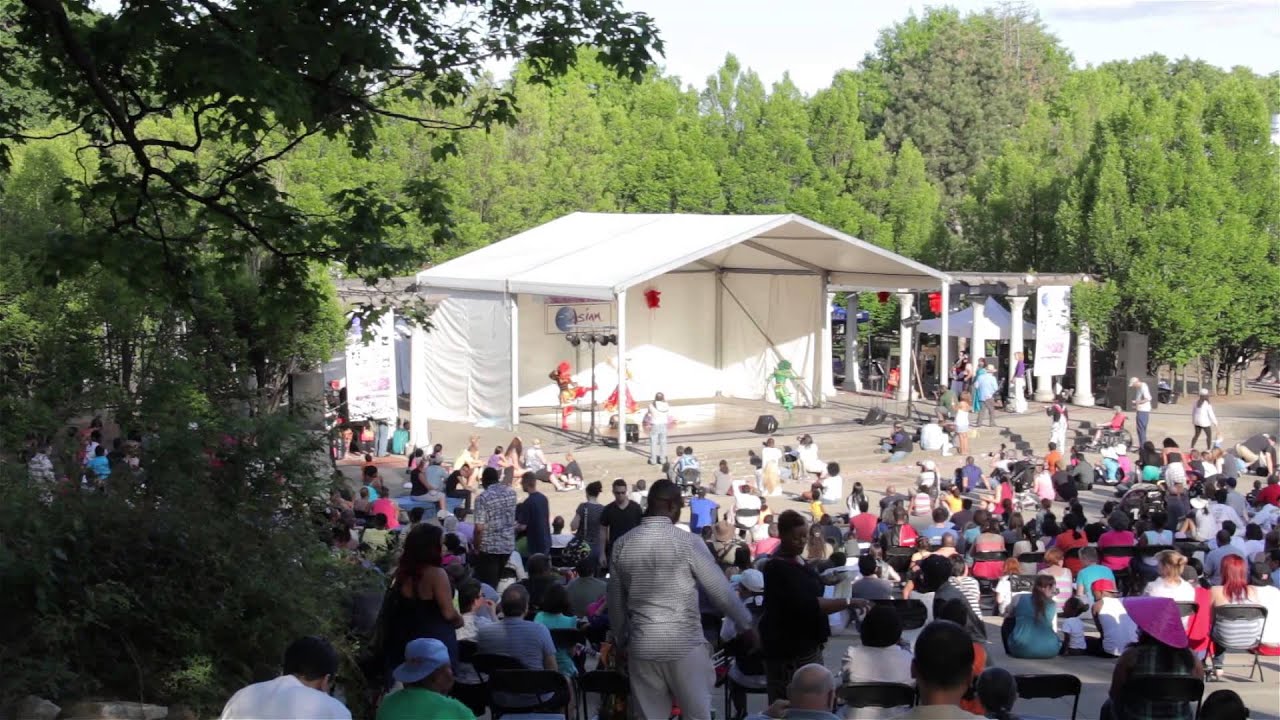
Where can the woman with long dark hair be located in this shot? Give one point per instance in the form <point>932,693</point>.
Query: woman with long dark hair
<point>1029,633</point>
<point>419,603</point>
<point>1071,538</point>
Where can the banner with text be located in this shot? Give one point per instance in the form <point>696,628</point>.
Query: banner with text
<point>1053,330</point>
<point>563,313</point>
<point>371,371</point>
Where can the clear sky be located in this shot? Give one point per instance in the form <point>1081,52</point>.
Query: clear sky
<point>812,39</point>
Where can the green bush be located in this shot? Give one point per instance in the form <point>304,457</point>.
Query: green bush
<point>179,584</point>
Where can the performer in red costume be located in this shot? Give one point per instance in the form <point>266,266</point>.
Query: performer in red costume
<point>569,391</point>
<point>611,404</point>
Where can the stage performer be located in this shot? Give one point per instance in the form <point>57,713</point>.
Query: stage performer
<point>611,404</point>
<point>781,374</point>
<point>569,391</point>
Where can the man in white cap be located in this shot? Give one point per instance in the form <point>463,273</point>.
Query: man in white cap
<point>1141,399</point>
<point>427,676</point>
<point>928,478</point>
<point>1204,420</point>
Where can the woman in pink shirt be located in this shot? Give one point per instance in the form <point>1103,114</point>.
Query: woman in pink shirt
<point>386,507</point>
<point>1118,536</point>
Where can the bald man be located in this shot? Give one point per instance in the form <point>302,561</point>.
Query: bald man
<point>811,696</point>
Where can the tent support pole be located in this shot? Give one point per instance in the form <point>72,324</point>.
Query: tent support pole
<point>513,307</point>
<point>719,334</point>
<point>621,299</point>
<point>944,342</point>
<point>821,348</point>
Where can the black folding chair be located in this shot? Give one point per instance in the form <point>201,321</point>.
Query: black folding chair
<point>748,664</point>
<point>1166,689</point>
<point>488,663</point>
<point>1189,548</point>
<point>1187,608</point>
<point>912,613</point>
<point>605,683</point>
<point>1028,558</point>
<point>899,558</point>
<point>1124,576</point>
<point>1050,686</point>
<point>568,639</point>
<point>1022,583</point>
<point>528,691</point>
<point>1229,614</point>
<point>878,695</point>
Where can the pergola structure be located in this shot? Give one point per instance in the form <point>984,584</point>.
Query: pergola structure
<point>977,287</point>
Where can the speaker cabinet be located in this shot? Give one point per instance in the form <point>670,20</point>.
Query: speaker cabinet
<point>1131,356</point>
<point>766,424</point>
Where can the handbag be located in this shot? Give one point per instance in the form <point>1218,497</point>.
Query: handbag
<point>577,549</point>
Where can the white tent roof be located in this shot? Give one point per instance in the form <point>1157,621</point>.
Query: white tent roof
<point>596,255</point>
<point>996,322</point>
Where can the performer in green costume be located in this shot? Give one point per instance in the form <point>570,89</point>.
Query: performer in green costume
<point>781,374</point>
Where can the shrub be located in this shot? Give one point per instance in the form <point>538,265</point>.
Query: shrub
<point>178,584</point>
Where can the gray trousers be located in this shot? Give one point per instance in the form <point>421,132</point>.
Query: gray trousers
<point>989,409</point>
<point>657,443</point>
<point>688,681</point>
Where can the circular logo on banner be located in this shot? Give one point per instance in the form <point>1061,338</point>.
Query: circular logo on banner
<point>566,318</point>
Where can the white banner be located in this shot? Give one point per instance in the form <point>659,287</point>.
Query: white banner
<point>1053,330</point>
<point>371,372</point>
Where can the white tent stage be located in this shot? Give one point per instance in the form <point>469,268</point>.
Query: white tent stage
<point>738,293</point>
<point>995,323</point>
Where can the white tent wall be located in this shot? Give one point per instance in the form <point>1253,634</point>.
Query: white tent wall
<point>466,360</point>
<point>786,308</point>
<point>672,347</point>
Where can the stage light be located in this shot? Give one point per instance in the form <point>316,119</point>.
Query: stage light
<point>610,339</point>
<point>574,339</point>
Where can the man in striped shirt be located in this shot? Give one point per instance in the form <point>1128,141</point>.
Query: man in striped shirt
<point>653,610</point>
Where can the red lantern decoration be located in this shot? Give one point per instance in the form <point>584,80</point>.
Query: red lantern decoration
<point>935,303</point>
<point>653,298</point>
<point>883,296</point>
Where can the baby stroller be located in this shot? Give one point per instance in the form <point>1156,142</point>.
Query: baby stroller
<point>1143,499</point>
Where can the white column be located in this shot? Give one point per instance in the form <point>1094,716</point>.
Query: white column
<point>905,302</point>
<point>1084,371</point>
<point>419,433</point>
<point>1017,304</point>
<point>944,342</point>
<point>1044,388</point>
<point>852,366</point>
<point>513,307</point>
<point>978,341</point>
<point>621,300</point>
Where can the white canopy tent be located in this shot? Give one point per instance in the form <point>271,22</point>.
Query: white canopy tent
<point>737,294</point>
<point>995,323</point>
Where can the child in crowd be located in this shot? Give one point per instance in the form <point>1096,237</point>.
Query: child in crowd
<point>495,460</point>
<point>1072,626</point>
<point>723,479</point>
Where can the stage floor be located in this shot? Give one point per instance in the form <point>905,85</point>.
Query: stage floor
<point>721,418</point>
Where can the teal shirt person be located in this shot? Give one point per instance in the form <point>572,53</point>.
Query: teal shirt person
<point>1089,575</point>
<point>1033,635</point>
<point>558,621</point>
<point>414,703</point>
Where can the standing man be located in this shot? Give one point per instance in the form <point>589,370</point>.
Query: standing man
<point>532,516</point>
<point>653,608</point>
<point>1204,419</point>
<point>618,518</point>
<point>985,387</point>
<point>655,421</point>
<point>495,526</point>
<point>1018,387</point>
<point>1141,400</point>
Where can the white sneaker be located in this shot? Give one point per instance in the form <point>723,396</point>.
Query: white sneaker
<point>408,486</point>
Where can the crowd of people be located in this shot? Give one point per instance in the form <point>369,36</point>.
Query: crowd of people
<point>693,580</point>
